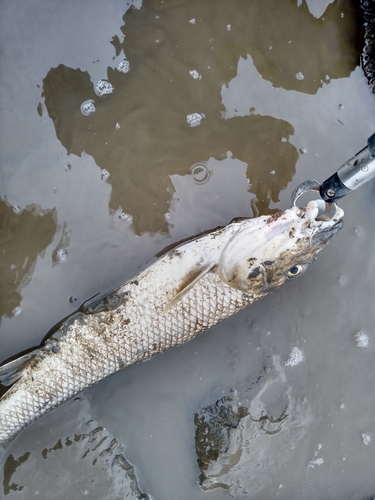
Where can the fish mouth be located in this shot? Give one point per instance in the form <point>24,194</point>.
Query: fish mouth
<point>327,221</point>
<point>324,234</point>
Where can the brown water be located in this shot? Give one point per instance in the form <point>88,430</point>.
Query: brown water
<point>274,95</point>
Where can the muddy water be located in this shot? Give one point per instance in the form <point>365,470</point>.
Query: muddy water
<point>214,110</point>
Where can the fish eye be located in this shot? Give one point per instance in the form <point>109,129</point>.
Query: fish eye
<point>295,271</point>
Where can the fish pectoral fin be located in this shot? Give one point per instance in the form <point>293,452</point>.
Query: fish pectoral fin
<point>188,282</point>
<point>13,370</point>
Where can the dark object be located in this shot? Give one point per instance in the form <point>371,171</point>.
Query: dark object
<point>368,52</point>
<point>333,189</point>
<point>351,175</point>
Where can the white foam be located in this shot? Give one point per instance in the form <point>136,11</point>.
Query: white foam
<point>61,254</point>
<point>16,311</point>
<point>88,107</point>
<point>194,119</point>
<point>366,438</point>
<point>300,76</point>
<point>194,74</point>
<point>316,461</point>
<point>123,66</point>
<point>362,339</point>
<point>17,209</point>
<point>103,87</point>
<point>105,174</point>
<point>125,216</point>
<point>295,357</point>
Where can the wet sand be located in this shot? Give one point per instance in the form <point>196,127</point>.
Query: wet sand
<point>223,112</point>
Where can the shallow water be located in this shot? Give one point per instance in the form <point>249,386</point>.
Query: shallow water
<point>275,96</point>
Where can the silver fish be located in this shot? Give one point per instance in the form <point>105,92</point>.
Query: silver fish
<point>190,289</point>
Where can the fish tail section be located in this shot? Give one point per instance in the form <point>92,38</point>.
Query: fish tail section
<point>13,370</point>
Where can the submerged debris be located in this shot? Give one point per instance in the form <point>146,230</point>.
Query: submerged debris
<point>368,52</point>
<point>238,437</point>
<point>79,449</point>
<point>213,428</point>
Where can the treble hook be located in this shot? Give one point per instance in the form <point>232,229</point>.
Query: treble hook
<point>313,185</point>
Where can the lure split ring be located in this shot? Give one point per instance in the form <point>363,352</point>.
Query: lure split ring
<point>312,185</point>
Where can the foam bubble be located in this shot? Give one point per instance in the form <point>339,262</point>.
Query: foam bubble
<point>194,119</point>
<point>366,438</point>
<point>343,280</point>
<point>105,174</point>
<point>192,21</point>
<point>61,254</point>
<point>300,76</point>
<point>16,311</point>
<point>362,339</point>
<point>194,74</point>
<point>17,209</point>
<point>125,216</point>
<point>295,357</point>
<point>316,461</point>
<point>103,87</point>
<point>88,107</point>
<point>123,66</point>
<point>200,173</point>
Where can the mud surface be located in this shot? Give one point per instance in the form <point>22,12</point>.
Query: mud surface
<point>125,130</point>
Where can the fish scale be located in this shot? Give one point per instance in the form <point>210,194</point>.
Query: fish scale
<point>174,300</point>
<point>212,301</point>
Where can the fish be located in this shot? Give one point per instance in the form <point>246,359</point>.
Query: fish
<point>188,290</point>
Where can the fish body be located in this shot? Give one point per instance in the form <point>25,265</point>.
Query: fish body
<point>187,291</point>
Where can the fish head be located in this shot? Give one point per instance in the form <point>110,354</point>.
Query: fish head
<point>276,248</point>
